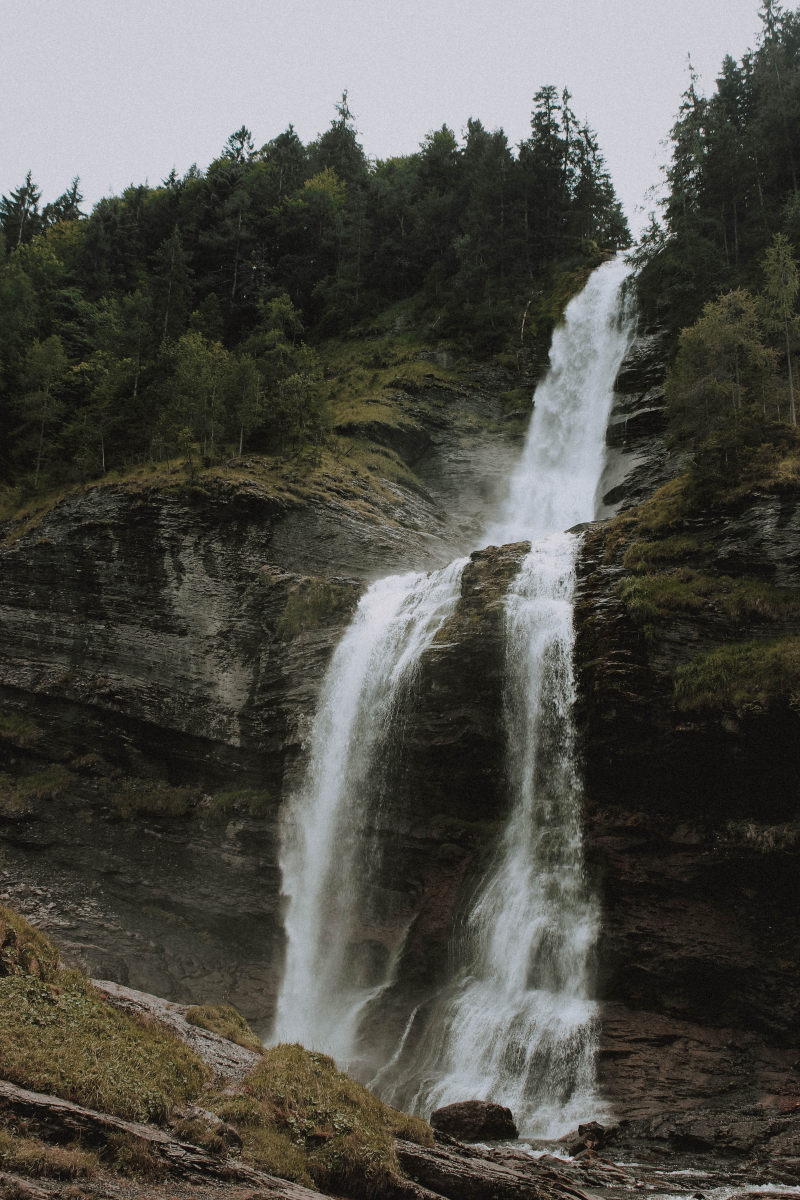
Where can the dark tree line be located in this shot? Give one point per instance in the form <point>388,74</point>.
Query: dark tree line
<point>733,178</point>
<point>721,270</point>
<point>185,315</point>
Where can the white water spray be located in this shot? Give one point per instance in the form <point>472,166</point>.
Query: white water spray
<point>517,1023</point>
<point>326,825</point>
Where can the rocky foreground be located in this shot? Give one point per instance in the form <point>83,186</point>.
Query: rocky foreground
<point>60,1148</point>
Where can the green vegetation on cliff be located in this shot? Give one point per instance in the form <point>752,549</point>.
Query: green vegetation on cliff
<point>302,1118</point>
<point>745,677</point>
<point>721,271</point>
<point>190,321</point>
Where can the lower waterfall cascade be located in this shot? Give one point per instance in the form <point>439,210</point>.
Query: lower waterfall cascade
<point>516,1022</point>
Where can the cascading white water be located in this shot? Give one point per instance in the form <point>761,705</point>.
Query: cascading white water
<point>517,1022</point>
<point>325,825</point>
<point>555,484</point>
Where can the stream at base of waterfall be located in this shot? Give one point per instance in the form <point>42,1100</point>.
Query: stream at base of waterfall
<point>516,1022</point>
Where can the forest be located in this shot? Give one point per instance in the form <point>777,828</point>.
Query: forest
<point>184,320</point>
<point>719,271</point>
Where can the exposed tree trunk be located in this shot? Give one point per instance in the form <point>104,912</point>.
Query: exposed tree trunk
<point>792,412</point>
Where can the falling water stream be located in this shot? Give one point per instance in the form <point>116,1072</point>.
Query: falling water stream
<point>516,1023</point>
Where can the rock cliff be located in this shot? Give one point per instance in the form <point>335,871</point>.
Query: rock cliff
<point>162,642</point>
<point>161,649</point>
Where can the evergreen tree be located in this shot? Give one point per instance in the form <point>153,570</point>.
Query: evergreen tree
<point>20,218</point>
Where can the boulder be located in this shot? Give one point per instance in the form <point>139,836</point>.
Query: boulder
<point>474,1121</point>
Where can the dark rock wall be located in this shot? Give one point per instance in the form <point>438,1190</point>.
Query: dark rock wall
<point>694,839</point>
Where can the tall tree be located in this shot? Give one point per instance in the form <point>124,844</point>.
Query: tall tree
<point>20,218</point>
<point>782,282</point>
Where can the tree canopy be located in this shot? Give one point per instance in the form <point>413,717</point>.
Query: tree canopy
<point>181,318</point>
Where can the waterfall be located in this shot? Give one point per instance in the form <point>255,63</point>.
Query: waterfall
<point>326,826</point>
<point>517,1023</point>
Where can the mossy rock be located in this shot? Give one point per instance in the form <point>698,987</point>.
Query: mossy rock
<point>302,1118</point>
<point>226,1021</point>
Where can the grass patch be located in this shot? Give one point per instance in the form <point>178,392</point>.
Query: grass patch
<point>654,599</point>
<point>662,515</point>
<point>134,797</point>
<point>58,1035</point>
<point>17,730</point>
<point>126,1155</point>
<point>312,602</point>
<point>746,676</point>
<point>227,1021</point>
<point>21,794</point>
<point>24,950</point>
<point>30,1156</point>
<point>302,1118</point>
<point>641,555</point>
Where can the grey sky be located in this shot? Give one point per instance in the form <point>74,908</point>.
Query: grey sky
<point>120,91</point>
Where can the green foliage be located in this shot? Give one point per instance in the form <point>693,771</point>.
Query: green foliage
<point>227,1021</point>
<point>745,677</point>
<point>179,320</point>
<point>58,1035</point>
<point>302,1118</point>
<point>733,181</point>
<point>723,367</point>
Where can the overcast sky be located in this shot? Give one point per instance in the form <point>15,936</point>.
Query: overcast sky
<point>121,91</point>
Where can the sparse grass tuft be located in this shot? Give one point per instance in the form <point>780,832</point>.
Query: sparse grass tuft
<point>30,1156</point>
<point>227,1021</point>
<point>18,730</point>
<point>745,676</point>
<point>25,950</point>
<point>312,602</point>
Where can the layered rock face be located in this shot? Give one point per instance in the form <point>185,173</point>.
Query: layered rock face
<point>692,830</point>
<point>159,663</point>
<point>161,651</point>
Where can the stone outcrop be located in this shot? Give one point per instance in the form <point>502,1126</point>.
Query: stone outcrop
<point>637,460</point>
<point>475,1121</point>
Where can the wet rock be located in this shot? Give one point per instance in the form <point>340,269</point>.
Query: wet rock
<point>589,1137</point>
<point>475,1121</point>
<point>689,836</point>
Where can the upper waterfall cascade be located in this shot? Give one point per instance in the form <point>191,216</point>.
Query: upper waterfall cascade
<point>516,1023</point>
